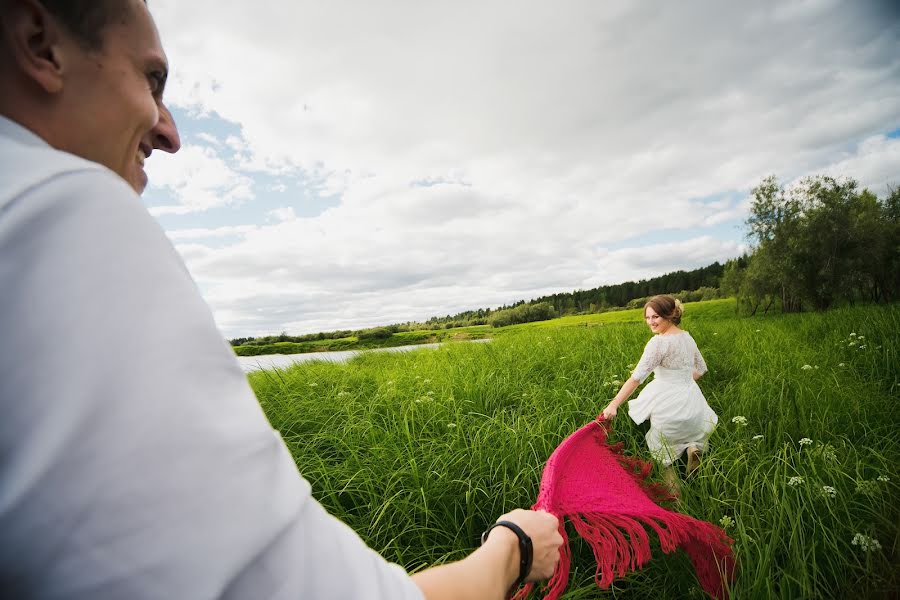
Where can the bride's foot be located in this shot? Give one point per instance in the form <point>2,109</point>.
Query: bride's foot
<point>693,461</point>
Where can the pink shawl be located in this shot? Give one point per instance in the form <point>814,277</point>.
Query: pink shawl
<point>605,496</point>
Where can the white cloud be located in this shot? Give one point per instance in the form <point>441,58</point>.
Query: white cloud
<point>486,152</point>
<point>201,233</point>
<point>282,214</point>
<point>199,179</point>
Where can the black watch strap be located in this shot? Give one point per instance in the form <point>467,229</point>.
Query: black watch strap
<point>526,552</point>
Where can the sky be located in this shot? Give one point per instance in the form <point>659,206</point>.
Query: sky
<point>353,164</point>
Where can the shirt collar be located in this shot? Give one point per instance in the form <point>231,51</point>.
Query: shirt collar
<point>15,131</point>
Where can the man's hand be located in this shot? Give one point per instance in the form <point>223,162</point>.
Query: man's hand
<point>543,529</point>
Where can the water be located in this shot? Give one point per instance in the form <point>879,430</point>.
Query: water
<point>273,361</point>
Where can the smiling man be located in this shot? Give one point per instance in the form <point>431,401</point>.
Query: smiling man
<point>135,461</point>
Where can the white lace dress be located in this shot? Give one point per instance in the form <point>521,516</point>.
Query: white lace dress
<point>679,416</point>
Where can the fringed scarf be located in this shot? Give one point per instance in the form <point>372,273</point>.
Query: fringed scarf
<point>605,496</point>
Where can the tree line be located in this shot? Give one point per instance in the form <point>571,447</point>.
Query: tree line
<point>817,244</point>
<point>689,286</point>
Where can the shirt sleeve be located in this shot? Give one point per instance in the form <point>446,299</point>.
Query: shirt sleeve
<point>649,360</point>
<point>135,461</point>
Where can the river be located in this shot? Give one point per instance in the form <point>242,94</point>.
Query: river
<point>273,361</point>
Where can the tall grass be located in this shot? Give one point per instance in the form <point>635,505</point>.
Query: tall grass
<point>419,451</point>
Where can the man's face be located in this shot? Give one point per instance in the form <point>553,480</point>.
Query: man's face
<point>116,95</point>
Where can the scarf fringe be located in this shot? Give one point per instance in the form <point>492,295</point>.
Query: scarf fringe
<point>621,544</point>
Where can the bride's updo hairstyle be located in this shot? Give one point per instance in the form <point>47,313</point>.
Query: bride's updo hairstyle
<point>667,307</point>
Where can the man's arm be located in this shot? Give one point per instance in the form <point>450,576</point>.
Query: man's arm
<point>136,461</point>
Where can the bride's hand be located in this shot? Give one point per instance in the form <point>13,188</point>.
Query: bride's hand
<point>609,412</point>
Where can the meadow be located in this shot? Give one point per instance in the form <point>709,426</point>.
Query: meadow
<point>420,451</point>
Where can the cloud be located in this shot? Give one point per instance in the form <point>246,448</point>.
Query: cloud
<point>202,232</point>
<point>485,152</point>
<point>198,179</point>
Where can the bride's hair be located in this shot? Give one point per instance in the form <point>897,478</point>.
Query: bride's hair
<point>667,307</point>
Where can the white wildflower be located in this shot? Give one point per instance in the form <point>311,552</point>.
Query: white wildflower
<point>865,542</point>
<point>841,365</point>
<point>852,334</point>
<point>313,384</point>
<point>342,394</point>
<point>758,437</point>
<point>451,425</point>
<point>805,441</point>
<point>739,420</point>
<point>862,337</point>
<point>829,491</point>
<point>883,478</point>
<point>806,367</point>
<point>863,347</point>
<point>726,522</point>
<point>418,401</point>
<point>851,344</point>
<point>795,481</point>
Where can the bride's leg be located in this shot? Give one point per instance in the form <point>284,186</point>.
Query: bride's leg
<point>693,460</point>
<point>671,479</point>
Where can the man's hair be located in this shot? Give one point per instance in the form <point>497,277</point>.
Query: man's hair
<point>87,19</point>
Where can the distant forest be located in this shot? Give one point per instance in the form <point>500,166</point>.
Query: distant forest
<point>699,284</point>
<point>602,298</point>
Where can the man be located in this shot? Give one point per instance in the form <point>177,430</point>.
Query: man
<point>135,461</point>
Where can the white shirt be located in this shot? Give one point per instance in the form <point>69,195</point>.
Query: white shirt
<point>135,461</point>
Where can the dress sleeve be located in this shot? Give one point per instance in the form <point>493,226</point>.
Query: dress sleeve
<point>651,359</point>
<point>699,363</point>
<point>136,460</point>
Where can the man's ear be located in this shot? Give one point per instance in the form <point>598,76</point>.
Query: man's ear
<point>34,38</point>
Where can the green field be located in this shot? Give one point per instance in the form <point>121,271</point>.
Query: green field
<point>419,451</point>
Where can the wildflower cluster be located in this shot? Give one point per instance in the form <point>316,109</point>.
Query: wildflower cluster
<point>867,488</point>
<point>726,522</point>
<point>796,481</point>
<point>865,542</point>
<point>829,492</point>
<point>857,342</point>
<point>805,441</point>
<point>873,487</point>
<point>739,420</point>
